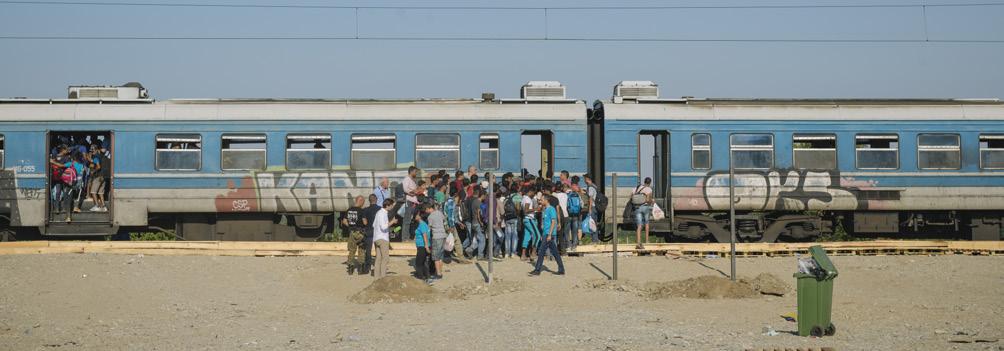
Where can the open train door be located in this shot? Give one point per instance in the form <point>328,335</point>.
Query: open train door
<point>537,152</point>
<point>653,161</point>
<point>71,210</point>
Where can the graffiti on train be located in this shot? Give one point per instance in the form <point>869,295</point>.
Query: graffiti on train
<point>784,189</point>
<point>299,191</point>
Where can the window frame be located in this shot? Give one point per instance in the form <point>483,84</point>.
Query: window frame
<point>694,148</point>
<point>998,136</point>
<point>937,148</point>
<point>263,138</point>
<point>894,136</point>
<point>816,136</point>
<point>771,147</point>
<point>419,148</point>
<point>157,150</point>
<point>497,149</point>
<point>307,136</point>
<point>3,150</point>
<point>371,136</point>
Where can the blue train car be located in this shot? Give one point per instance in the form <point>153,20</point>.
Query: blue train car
<point>808,167</point>
<point>265,169</point>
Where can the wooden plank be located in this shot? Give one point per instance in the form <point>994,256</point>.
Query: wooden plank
<point>236,248</point>
<point>39,250</point>
<point>15,244</point>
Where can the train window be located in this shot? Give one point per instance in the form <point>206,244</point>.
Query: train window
<point>700,154</point>
<point>243,152</point>
<point>437,151</point>
<point>2,148</point>
<point>308,151</point>
<point>938,151</point>
<point>374,152</point>
<point>992,151</point>
<point>179,152</point>
<point>752,151</point>
<point>814,151</point>
<point>877,151</point>
<point>489,151</point>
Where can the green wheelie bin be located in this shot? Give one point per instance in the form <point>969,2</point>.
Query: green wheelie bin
<point>815,294</point>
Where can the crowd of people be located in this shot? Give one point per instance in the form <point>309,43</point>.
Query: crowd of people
<point>454,217</point>
<point>80,166</point>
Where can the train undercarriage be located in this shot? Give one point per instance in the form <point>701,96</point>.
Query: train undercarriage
<point>839,225</point>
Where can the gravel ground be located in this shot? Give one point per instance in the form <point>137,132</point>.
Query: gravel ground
<point>109,302</point>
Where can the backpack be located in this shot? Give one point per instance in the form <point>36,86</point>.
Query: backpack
<point>465,210</point>
<point>574,204</point>
<point>69,175</point>
<point>485,217</point>
<point>600,204</point>
<point>639,198</point>
<point>399,194</point>
<point>509,209</point>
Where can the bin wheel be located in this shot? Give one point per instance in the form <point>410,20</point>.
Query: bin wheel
<point>830,330</point>
<point>816,331</point>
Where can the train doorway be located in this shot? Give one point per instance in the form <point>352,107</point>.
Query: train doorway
<point>653,162</point>
<point>537,153</point>
<point>79,183</point>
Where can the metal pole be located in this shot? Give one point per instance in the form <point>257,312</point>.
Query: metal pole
<point>613,215</point>
<point>491,225</point>
<point>732,217</point>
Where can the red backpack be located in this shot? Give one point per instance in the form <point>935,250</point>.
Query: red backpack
<point>69,175</point>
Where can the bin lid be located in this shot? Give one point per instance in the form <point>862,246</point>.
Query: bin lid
<point>827,270</point>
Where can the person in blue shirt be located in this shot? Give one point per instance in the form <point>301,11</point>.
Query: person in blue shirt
<point>422,247</point>
<point>550,221</point>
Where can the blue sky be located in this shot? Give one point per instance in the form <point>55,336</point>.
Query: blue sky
<point>403,69</point>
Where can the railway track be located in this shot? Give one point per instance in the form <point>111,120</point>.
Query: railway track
<point>242,248</point>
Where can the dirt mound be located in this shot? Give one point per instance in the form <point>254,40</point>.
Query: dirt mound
<point>703,287</point>
<point>396,289</point>
<point>498,287</point>
<point>769,284</point>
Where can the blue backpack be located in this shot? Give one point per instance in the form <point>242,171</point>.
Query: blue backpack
<point>574,204</point>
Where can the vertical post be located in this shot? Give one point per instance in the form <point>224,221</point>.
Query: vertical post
<point>732,217</point>
<point>613,186</point>
<point>491,225</point>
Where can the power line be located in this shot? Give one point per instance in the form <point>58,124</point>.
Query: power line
<point>363,38</point>
<point>397,7</point>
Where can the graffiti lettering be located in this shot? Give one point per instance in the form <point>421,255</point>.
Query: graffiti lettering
<point>784,190</point>
<point>300,191</point>
<point>31,193</point>
<point>241,205</point>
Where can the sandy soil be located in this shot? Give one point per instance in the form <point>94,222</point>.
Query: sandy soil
<point>107,302</point>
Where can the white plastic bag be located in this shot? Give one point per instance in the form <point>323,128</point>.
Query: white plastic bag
<point>592,224</point>
<point>657,213</point>
<point>448,243</point>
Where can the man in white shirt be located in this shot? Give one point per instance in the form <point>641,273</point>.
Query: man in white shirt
<point>381,238</point>
<point>411,200</point>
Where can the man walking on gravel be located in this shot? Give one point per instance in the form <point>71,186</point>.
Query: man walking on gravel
<point>550,219</point>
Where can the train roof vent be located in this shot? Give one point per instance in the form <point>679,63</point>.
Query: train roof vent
<point>542,90</point>
<point>128,91</point>
<point>636,90</point>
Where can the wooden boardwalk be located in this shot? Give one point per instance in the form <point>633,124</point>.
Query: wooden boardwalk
<point>243,248</point>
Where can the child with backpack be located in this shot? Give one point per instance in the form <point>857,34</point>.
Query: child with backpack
<point>574,208</point>
<point>511,215</point>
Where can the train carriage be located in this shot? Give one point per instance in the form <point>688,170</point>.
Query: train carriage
<point>807,167</point>
<point>266,169</point>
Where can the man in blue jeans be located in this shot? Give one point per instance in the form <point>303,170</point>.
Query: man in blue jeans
<point>550,219</point>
